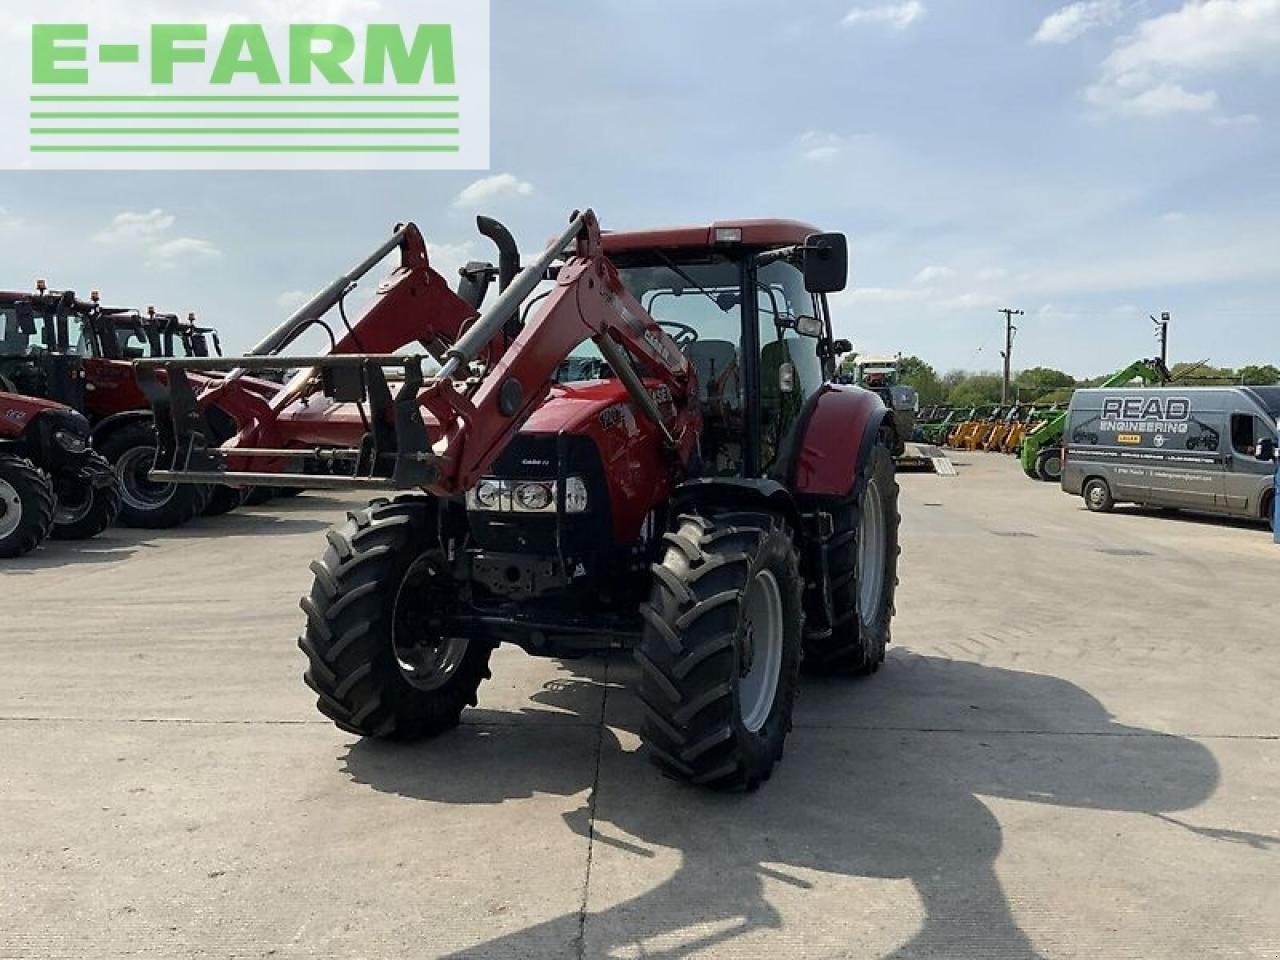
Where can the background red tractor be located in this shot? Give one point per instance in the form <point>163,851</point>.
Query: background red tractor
<point>51,481</point>
<point>650,454</point>
<point>78,353</point>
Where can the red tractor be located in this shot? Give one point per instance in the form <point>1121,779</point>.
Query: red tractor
<point>649,454</point>
<point>78,353</point>
<point>51,481</point>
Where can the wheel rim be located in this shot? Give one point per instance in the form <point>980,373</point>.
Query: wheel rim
<point>871,551</point>
<point>136,490</point>
<point>74,508</point>
<point>1053,468</point>
<point>761,650</point>
<point>10,509</point>
<point>426,657</point>
<point>1097,495</point>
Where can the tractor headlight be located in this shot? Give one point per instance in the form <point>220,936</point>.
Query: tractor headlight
<point>486,495</point>
<point>534,497</point>
<point>526,496</point>
<point>575,495</point>
<point>70,442</point>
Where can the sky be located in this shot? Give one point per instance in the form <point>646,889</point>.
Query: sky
<point>1090,163</point>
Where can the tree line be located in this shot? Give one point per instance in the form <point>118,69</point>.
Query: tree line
<point>966,388</point>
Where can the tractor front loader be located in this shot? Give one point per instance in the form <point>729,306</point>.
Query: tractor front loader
<point>648,455</point>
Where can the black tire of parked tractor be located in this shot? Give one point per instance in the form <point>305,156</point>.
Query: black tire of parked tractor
<point>353,613</point>
<point>26,513</point>
<point>1097,496</point>
<point>257,496</point>
<point>693,670</point>
<point>1049,465</point>
<point>145,505</point>
<point>92,517</point>
<point>862,624</point>
<point>224,499</point>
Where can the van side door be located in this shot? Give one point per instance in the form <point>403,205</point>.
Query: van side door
<point>1246,478</point>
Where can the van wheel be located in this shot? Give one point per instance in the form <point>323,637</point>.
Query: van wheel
<point>1097,496</point>
<point>1269,511</point>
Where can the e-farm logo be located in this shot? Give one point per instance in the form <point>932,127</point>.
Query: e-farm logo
<point>405,85</point>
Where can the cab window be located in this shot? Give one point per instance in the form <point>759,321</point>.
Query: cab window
<point>1246,431</point>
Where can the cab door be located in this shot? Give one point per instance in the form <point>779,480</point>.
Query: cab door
<point>1245,477</point>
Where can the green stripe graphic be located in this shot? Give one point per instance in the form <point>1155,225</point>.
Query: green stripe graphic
<point>264,98</point>
<point>240,115</point>
<point>245,148</point>
<point>242,131</point>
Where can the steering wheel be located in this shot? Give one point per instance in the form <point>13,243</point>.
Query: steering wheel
<point>681,333</point>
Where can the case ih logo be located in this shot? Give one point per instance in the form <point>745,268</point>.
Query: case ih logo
<point>398,84</point>
<point>1132,416</point>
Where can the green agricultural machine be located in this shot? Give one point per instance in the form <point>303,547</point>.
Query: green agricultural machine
<point>1042,449</point>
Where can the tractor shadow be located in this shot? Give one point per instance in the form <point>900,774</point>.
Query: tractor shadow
<point>110,547</point>
<point>883,779</point>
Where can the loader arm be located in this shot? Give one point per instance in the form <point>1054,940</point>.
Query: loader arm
<point>442,433</point>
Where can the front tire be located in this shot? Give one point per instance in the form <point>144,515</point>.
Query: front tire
<point>1097,496</point>
<point>720,652</point>
<point>863,567</point>
<point>146,504</point>
<point>26,506</point>
<point>380,662</point>
<point>1049,465</point>
<point>85,510</point>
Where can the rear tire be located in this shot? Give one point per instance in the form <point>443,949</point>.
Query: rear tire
<point>257,496</point>
<point>720,652</point>
<point>26,506</point>
<point>148,505</point>
<point>863,567</point>
<point>1269,511</point>
<point>89,518</point>
<point>377,588</point>
<point>1097,496</point>
<point>224,499</point>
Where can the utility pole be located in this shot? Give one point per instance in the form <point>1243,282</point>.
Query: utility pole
<point>1009,332</point>
<point>1162,334</point>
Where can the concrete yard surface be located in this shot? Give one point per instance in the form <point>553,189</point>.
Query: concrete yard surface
<point>1073,751</point>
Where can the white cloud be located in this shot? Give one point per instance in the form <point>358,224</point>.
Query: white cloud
<point>133,228</point>
<point>291,300</point>
<point>488,189</point>
<point>447,258</point>
<point>1075,20</point>
<point>1154,70</point>
<point>934,274</point>
<point>895,16</point>
<point>172,253</point>
<point>820,146</point>
<point>8,221</point>
<point>988,274</point>
<point>149,232</point>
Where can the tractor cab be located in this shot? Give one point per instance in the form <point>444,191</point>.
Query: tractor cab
<point>745,301</point>
<point>45,340</point>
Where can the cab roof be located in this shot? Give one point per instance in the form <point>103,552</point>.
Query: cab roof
<point>754,233</point>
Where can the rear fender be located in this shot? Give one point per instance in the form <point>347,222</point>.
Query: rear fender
<point>838,428</point>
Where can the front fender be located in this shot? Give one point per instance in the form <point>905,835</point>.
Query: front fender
<point>837,431</point>
<point>111,424</point>
<point>738,492</point>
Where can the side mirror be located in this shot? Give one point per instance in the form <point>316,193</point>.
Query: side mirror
<point>808,326</point>
<point>826,263</point>
<point>841,347</point>
<point>1266,450</point>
